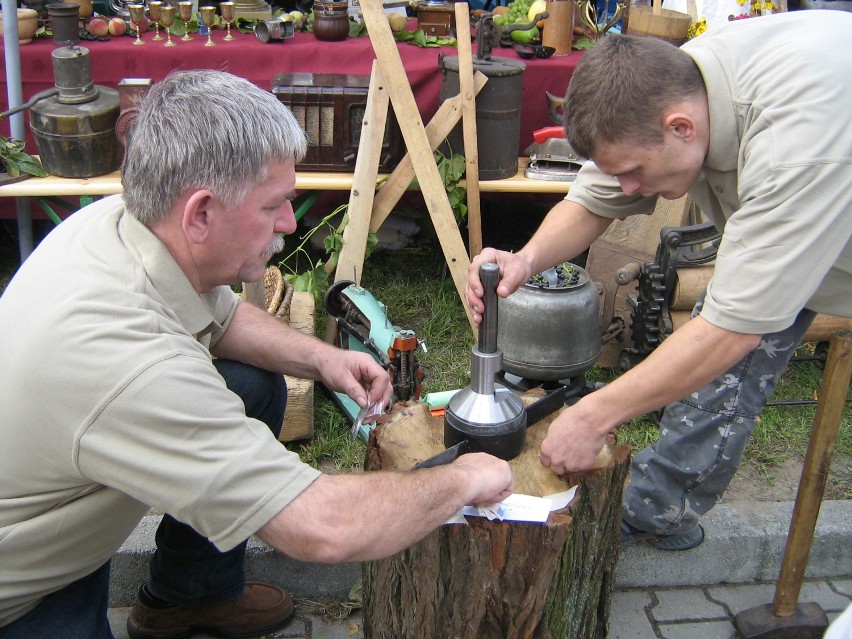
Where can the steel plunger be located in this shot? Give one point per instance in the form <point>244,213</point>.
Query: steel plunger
<point>487,414</point>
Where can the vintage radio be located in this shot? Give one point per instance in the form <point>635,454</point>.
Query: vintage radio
<point>330,107</point>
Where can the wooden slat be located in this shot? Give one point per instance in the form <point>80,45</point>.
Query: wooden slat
<point>437,130</point>
<point>471,147</point>
<point>351,261</point>
<point>414,134</point>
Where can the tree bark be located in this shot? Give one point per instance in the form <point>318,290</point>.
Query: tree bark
<point>494,579</point>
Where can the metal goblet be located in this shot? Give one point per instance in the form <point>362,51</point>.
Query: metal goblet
<point>185,8</point>
<point>208,17</point>
<point>137,15</point>
<point>154,7</point>
<point>167,18</point>
<point>227,9</point>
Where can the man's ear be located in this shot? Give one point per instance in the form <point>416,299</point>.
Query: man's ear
<point>198,215</point>
<point>680,124</point>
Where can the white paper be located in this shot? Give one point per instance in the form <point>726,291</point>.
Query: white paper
<point>518,508</point>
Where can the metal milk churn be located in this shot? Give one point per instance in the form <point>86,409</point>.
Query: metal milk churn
<point>549,329</point>
<point>498,113</point>
<point>74,123</point>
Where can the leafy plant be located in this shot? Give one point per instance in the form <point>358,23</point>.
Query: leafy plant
<point>16,162</point>
<point>420,39</point>
<point>452,169</point>
<point>314,278</point>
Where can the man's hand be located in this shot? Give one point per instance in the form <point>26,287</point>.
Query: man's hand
<point>358,375</point>
<point>489,478</point>
<point>514,271</point>
<point>572,442</point>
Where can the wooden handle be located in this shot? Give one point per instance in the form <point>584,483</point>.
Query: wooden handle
<point>832,401</point>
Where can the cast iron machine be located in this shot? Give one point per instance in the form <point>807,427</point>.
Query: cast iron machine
<point>362,325</point>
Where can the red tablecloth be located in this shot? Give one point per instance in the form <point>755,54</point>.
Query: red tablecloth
<point>249,58</point>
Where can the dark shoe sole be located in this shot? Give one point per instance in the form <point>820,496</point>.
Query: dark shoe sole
<point>140,633</point>
<point>677,542</point>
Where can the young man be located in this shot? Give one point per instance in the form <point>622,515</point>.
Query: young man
<point>752,120</point>
<point>113,402</point>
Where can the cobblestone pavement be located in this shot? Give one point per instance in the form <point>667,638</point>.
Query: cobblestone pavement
<point>648,613</point>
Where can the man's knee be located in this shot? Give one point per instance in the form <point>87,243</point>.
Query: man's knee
<point>264,393</point>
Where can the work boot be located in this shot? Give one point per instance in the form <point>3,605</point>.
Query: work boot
<point>678,541</point>
<point>260,609</point>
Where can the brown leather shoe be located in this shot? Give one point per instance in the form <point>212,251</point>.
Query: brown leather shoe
<point>260,609</point>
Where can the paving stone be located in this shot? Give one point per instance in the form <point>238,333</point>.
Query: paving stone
<point>821,593</point>
<point>706,630</point>
<point>742,597</point>
<point>627,618</point>
<point>843,586</point>
<point>685,604</point>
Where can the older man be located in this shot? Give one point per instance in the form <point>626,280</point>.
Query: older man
<point>140,380</point>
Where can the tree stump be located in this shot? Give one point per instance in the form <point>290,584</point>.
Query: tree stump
<point>494,579</point>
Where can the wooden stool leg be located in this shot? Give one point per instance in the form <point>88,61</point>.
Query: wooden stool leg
<point>785,618</point>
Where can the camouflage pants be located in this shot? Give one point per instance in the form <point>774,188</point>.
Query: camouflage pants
<point>703,436</point>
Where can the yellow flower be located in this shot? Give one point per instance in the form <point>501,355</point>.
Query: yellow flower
<point>697,28</point>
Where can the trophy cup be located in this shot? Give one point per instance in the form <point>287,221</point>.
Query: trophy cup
<point>185,9</point>
<point>228,12</point>
<point>589,15</point>
<point>167,17</point>
<point>137,16</point>
<point>208,17</point>
<point>154,7</point>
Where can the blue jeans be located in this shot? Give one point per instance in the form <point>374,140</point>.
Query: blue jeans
<point>703,437</point>
<point>186,568</point>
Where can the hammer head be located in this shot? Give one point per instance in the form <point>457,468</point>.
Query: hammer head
<point>808,621</point>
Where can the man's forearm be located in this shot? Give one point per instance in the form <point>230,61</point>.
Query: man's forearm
<point>342,518</point>
<point>255,337</point>
<point>684,362</point>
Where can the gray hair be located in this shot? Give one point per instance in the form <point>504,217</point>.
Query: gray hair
<point>204,130</point>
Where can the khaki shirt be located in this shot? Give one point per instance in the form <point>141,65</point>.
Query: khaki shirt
<point>778,176</point>
<point>113,406</point>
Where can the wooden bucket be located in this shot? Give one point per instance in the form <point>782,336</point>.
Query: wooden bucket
<point>666,24</point>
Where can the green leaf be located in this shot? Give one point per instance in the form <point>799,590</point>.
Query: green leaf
<point>420,38</point>
<point>333,242</point>
<point>32,167</point>
<point>583,43</point>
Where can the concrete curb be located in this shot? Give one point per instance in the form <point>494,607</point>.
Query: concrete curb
<point>744,544</point>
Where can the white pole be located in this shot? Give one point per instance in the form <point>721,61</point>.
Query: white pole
<point>14,91</point>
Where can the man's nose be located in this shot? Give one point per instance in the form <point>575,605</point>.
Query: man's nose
<point>629,185</point>
<point>286,222</point>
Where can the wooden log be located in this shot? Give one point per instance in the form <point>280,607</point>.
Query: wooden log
<point>494,579</point>
<point>299,414</point>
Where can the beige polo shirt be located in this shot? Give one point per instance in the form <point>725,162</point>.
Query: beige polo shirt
<point>111,404</point>
<point>778,176</point>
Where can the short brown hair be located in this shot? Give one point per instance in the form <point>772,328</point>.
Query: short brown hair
<point>621,87</point>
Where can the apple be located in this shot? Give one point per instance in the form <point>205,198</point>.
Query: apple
<point>117,27</point>
<point>98,27</point>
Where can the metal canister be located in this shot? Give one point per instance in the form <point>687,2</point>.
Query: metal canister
<point>75,130</point>
<point>498,113</point>
<point>551,330</point>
